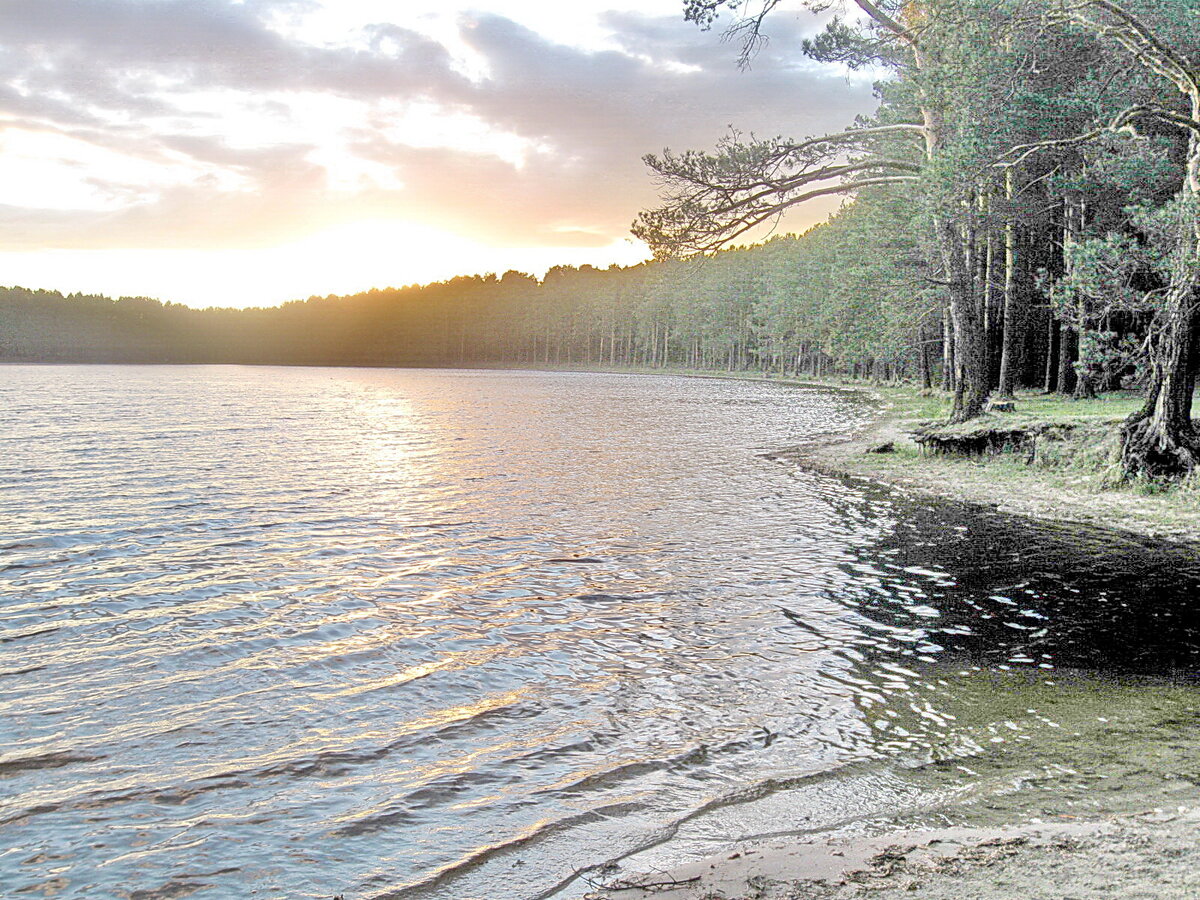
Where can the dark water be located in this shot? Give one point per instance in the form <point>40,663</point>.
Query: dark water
<point>386,633</point>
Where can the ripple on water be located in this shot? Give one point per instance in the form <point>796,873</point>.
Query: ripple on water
<point>389,633</point>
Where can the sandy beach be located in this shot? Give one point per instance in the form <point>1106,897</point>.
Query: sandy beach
<point>1151,855</point>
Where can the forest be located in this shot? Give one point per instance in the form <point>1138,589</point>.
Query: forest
<point>783,306</point>
<point>1021,212</point>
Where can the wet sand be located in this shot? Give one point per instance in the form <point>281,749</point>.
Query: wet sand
<point>1104,802</point>
<point>1153,855</point>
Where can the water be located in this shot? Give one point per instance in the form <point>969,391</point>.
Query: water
<point>389,633</point>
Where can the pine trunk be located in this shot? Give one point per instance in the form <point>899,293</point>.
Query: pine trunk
<point>1013,313</point>
<point>971,386</point>
<point>1050,384</point>
<point>1160,440</point>
<point>947,351</point>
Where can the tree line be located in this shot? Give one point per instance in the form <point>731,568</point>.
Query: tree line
<point>784,306</point>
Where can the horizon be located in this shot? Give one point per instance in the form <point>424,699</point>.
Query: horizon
<point>238,154</point>
<point>498,275</point>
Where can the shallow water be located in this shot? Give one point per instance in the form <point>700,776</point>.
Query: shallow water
<point>387,633</point>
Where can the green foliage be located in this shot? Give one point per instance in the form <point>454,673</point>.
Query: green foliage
<point>1105,280</point>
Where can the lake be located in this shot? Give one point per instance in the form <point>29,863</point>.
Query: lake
<point>288,632</point>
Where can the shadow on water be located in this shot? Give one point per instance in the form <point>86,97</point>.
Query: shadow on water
<point>956,580</point>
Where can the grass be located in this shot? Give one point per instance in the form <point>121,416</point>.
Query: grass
<point>1073,473</point>
<point>911,404</point>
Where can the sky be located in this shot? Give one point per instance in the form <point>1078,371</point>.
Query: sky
<point>248,152</point>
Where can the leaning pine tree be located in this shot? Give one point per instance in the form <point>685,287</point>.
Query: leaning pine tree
<point>712,198</point>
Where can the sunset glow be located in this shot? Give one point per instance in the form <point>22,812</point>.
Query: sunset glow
<point>245,153</point>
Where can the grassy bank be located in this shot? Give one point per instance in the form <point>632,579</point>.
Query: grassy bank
<point>1069,474</point>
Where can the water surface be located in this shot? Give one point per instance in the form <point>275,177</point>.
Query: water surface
<point>388,633</point>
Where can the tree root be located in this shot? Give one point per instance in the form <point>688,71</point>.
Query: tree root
<point>1151,449</point>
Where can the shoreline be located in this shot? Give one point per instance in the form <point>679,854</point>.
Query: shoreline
<point>1004,483</point>
<point>1075,496</point>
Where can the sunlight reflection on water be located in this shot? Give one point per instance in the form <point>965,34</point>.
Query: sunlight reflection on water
<point>306,632</point>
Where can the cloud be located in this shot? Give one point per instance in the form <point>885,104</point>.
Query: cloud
<point>129,57</point>
<point>255,119</point>
<point>596,114</point>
